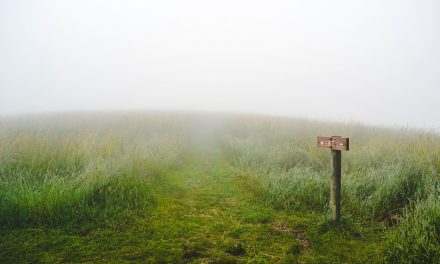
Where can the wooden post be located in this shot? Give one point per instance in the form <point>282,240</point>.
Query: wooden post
<point>336,144</point>
<point>335,196</point>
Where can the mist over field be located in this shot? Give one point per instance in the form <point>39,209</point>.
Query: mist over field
<point>375,62</point>
<point>219,132</point>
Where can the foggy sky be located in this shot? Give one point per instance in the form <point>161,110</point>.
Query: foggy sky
<point>376,62</point>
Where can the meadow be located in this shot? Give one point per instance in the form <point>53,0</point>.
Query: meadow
<point>169,187</point>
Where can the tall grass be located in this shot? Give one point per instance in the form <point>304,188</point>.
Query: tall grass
<point>387,176</point>
<point>417,238</point>
<point>57,177</point>
<point>73,169</point>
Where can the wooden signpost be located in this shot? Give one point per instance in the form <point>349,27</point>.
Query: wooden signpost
<point>336,144</point>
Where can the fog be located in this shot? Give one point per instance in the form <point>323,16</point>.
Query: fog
<point>376,62</point>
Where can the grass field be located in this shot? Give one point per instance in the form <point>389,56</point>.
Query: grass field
<point>164,187</point>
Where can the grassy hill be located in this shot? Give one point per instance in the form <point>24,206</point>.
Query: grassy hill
<point>168,187</point>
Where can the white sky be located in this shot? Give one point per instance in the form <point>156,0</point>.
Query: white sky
<point>371,61</point>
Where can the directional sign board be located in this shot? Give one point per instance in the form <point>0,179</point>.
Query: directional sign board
<point>335,143</point>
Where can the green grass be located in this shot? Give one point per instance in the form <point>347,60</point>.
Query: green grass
<point>389,178</point>
<point>196,188</point>
<point>52,182</point>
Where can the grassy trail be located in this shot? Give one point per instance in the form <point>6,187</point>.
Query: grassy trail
<point>203,215</point>
<point>207,216</point>
<point>214,220</point>
<point>208,188</point>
